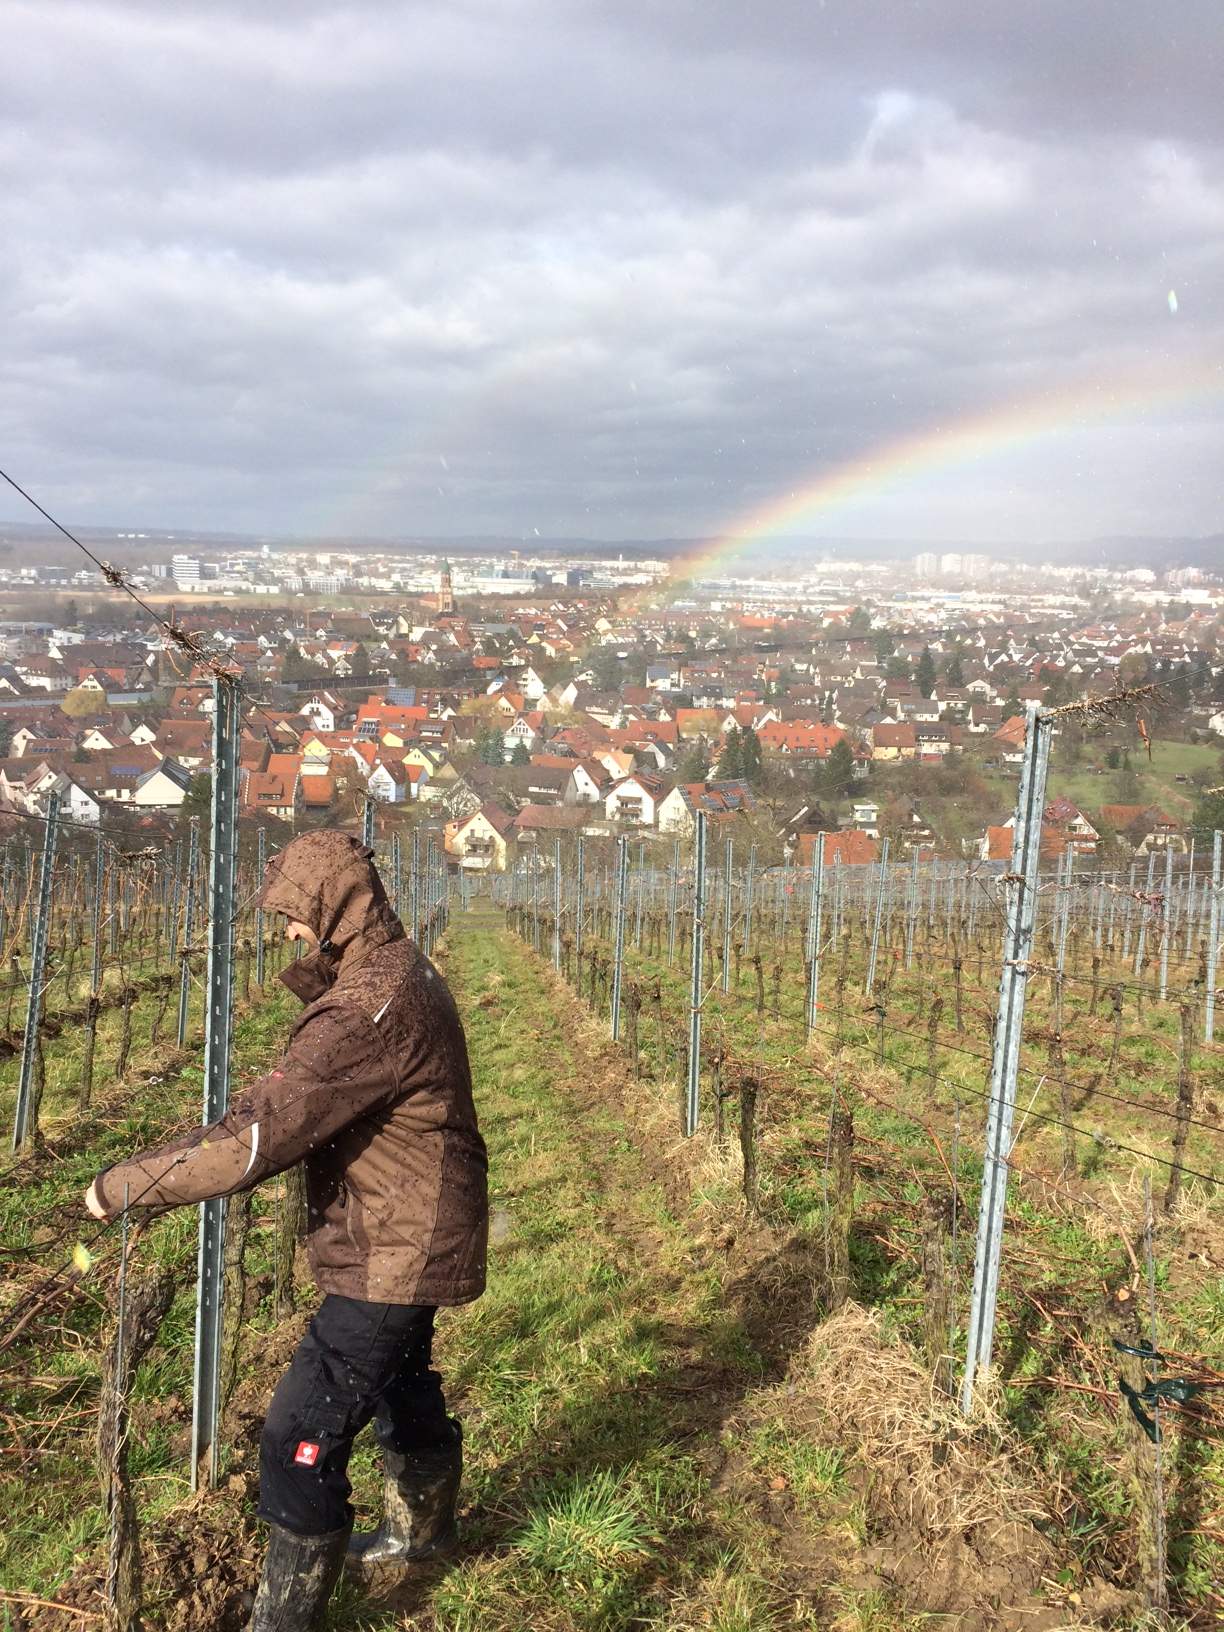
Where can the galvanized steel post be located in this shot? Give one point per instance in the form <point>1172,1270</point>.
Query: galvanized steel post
<point>815,906</point>
<point>193,858</point>
<point>618,955</point>
<point>749,897</point>
<point>211,1257</point>
<point>556,937</point>
<point>95,967</point>
<point>38,967</point>
<point>1141,943</point>
<point>728,862</point>
<point>673,892</point>
<point>112,912</point>
<point>261,863</point>
<point>693,1085</point>
<point>1020,918</point>
<point>1166,934</point>
<point>875,924</point>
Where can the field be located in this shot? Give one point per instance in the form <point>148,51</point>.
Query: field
<point>709,1384</point>
<point>1091,785</point>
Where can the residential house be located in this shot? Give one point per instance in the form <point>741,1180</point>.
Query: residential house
<point>393,781</point>
<point>865,815</point>
<point>802,739</point>
<point>590,782</point>
<point>480,842</point>
<point>1008,740</point>
<point>321,708</point>
<point>892,742</point>
<point>525,732</point>
<point>535,822</point>
<point>1146,828</point>
<point>996,843</point>
<point>720,801</point>
<point>164,788</point>
<point>187,741</point>
<point>1068,819</point>
<point>934,740</point>
<point>317,795</point>
<point>635,799</point>
<point>849,848</point>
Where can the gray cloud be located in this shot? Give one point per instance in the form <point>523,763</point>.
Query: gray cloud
<point>636,269</point>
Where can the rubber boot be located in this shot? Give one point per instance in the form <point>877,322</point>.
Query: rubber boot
<point>299,1574</point>
<point>420,1489</point>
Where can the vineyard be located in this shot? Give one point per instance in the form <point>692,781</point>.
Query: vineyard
<point>746,1128</point>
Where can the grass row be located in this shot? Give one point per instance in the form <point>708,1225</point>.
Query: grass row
<point>1065,1231</point>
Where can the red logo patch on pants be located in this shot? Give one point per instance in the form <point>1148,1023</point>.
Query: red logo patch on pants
<point>307,1454</point>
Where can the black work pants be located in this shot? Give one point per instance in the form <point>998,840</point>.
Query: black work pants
<point>357,1361</point>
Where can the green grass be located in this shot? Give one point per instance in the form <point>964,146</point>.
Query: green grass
<point>810,1470</point>
<point>1090,789</point>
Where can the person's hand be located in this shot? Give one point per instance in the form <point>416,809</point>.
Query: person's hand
<point>92,1205</point>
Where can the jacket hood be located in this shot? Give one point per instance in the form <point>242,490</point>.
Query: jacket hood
<point>328,881</point>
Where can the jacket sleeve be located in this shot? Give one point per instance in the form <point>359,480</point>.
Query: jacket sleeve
<point>337,1069</point>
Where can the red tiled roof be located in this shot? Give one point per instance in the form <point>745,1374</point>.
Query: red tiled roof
<point>1011,732</point>
<point>850,848</point>
<point>801,736</point>
<point>318,790</point>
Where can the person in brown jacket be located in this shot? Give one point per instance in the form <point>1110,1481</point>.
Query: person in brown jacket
<point>374,1095</point>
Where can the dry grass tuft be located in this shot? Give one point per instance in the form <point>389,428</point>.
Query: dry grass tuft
<point>930,1471</point>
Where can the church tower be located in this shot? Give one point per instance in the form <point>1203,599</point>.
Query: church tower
<point>446,590</point>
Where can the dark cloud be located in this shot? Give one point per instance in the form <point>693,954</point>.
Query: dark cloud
<point>612,269</point>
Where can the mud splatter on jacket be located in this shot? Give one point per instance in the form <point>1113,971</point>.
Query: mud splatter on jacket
<point>374,1094</point>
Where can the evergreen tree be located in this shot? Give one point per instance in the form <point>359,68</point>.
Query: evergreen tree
<point>521,754</point>
<point>837,773</point>
<point>296,667</point>
<point>1209,814</point>
<point>749,755</point>
<point>197,801</point>
<point>924,674</point>
<point>1127,787</point>
<point>490,748</point>
<point>694,763</point>
<point>1058,692</point>
<point>953,672</point>
<point>730,760</point>
<point>609,671</point>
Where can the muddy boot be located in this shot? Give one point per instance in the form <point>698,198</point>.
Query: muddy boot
<point>298,1576</point>
<point>420,1489</point>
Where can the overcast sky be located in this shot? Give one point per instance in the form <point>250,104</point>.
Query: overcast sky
<point>619,268</point>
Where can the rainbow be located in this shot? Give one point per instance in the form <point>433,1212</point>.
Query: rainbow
<point>934,449</point>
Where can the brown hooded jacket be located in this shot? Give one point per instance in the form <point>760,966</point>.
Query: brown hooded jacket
<point>374,1094</point>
